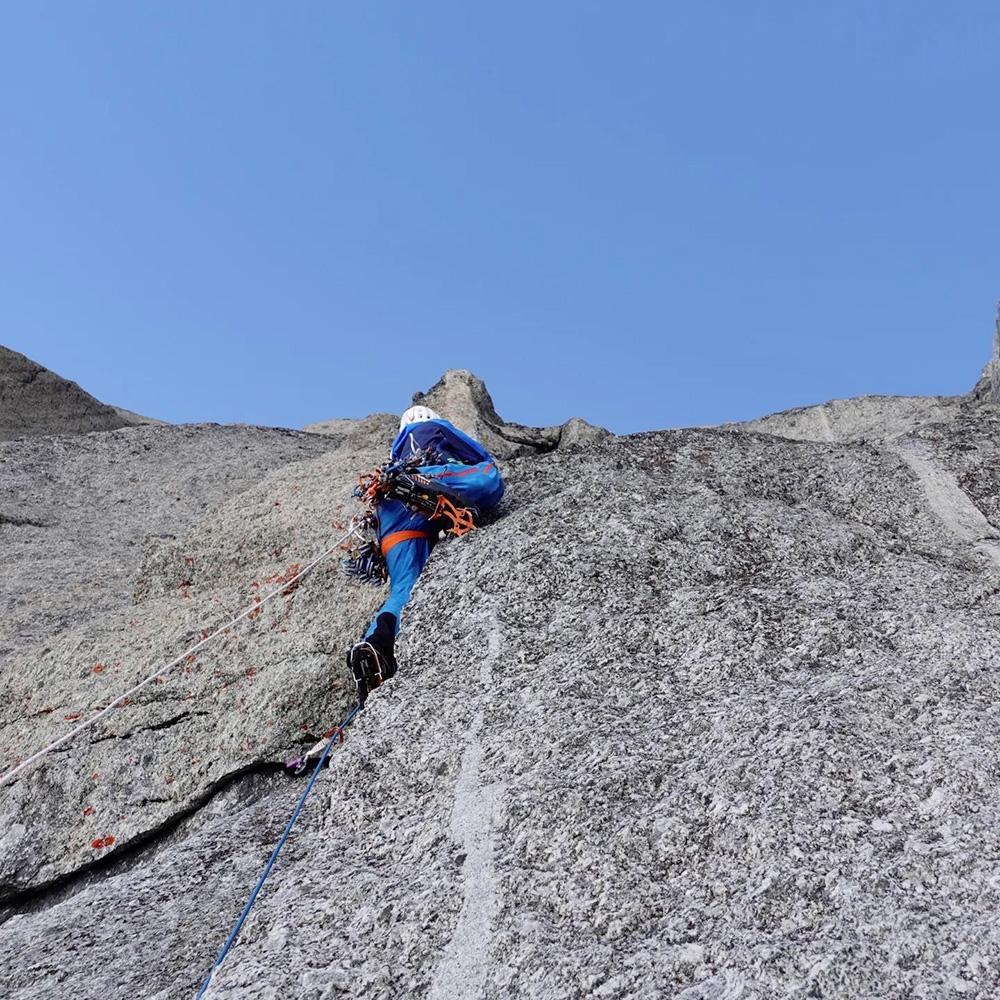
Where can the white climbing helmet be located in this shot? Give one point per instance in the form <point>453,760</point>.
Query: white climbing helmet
<point>417,415</point>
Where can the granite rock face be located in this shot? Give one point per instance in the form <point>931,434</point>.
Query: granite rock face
<point>77,511</point>
<point>705,713</point>
<point>35,401</point>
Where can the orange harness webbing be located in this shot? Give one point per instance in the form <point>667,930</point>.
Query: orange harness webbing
<point>390,541</point>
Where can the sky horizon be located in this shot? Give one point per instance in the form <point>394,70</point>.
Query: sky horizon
<point>510,418</point>
<point>656,216</point>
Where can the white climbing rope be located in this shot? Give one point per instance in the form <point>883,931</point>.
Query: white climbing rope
<point>281,588</point>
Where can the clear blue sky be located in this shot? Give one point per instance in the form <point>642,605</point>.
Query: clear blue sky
<point>647,214</point>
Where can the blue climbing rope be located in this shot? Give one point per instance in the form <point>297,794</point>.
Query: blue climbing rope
<point>274,853</point>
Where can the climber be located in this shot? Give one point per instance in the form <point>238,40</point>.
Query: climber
<point>436,478</point>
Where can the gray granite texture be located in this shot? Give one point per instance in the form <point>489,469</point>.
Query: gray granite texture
<point>706,713</point>
<point>878,419</point>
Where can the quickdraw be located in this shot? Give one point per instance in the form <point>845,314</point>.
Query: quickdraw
<point>363,562</point>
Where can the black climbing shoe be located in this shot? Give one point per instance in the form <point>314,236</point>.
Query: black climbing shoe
<point>383,639</point>
<point>372,661</point>
<point>363,663</point>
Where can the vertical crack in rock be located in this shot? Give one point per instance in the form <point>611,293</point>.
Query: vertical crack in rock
<point>463,969</point>
<point>949,501</point>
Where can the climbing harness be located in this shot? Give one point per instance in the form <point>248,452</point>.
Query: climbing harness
<point>364,561</point>
<point>284,588</point>
<point>277,848</point>
<point>402,481</point>
<point>414,491</point>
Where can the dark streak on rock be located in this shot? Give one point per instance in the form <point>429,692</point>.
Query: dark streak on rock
<point>21,522</point>
<point>127,854</point>
<point>166,724</point>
